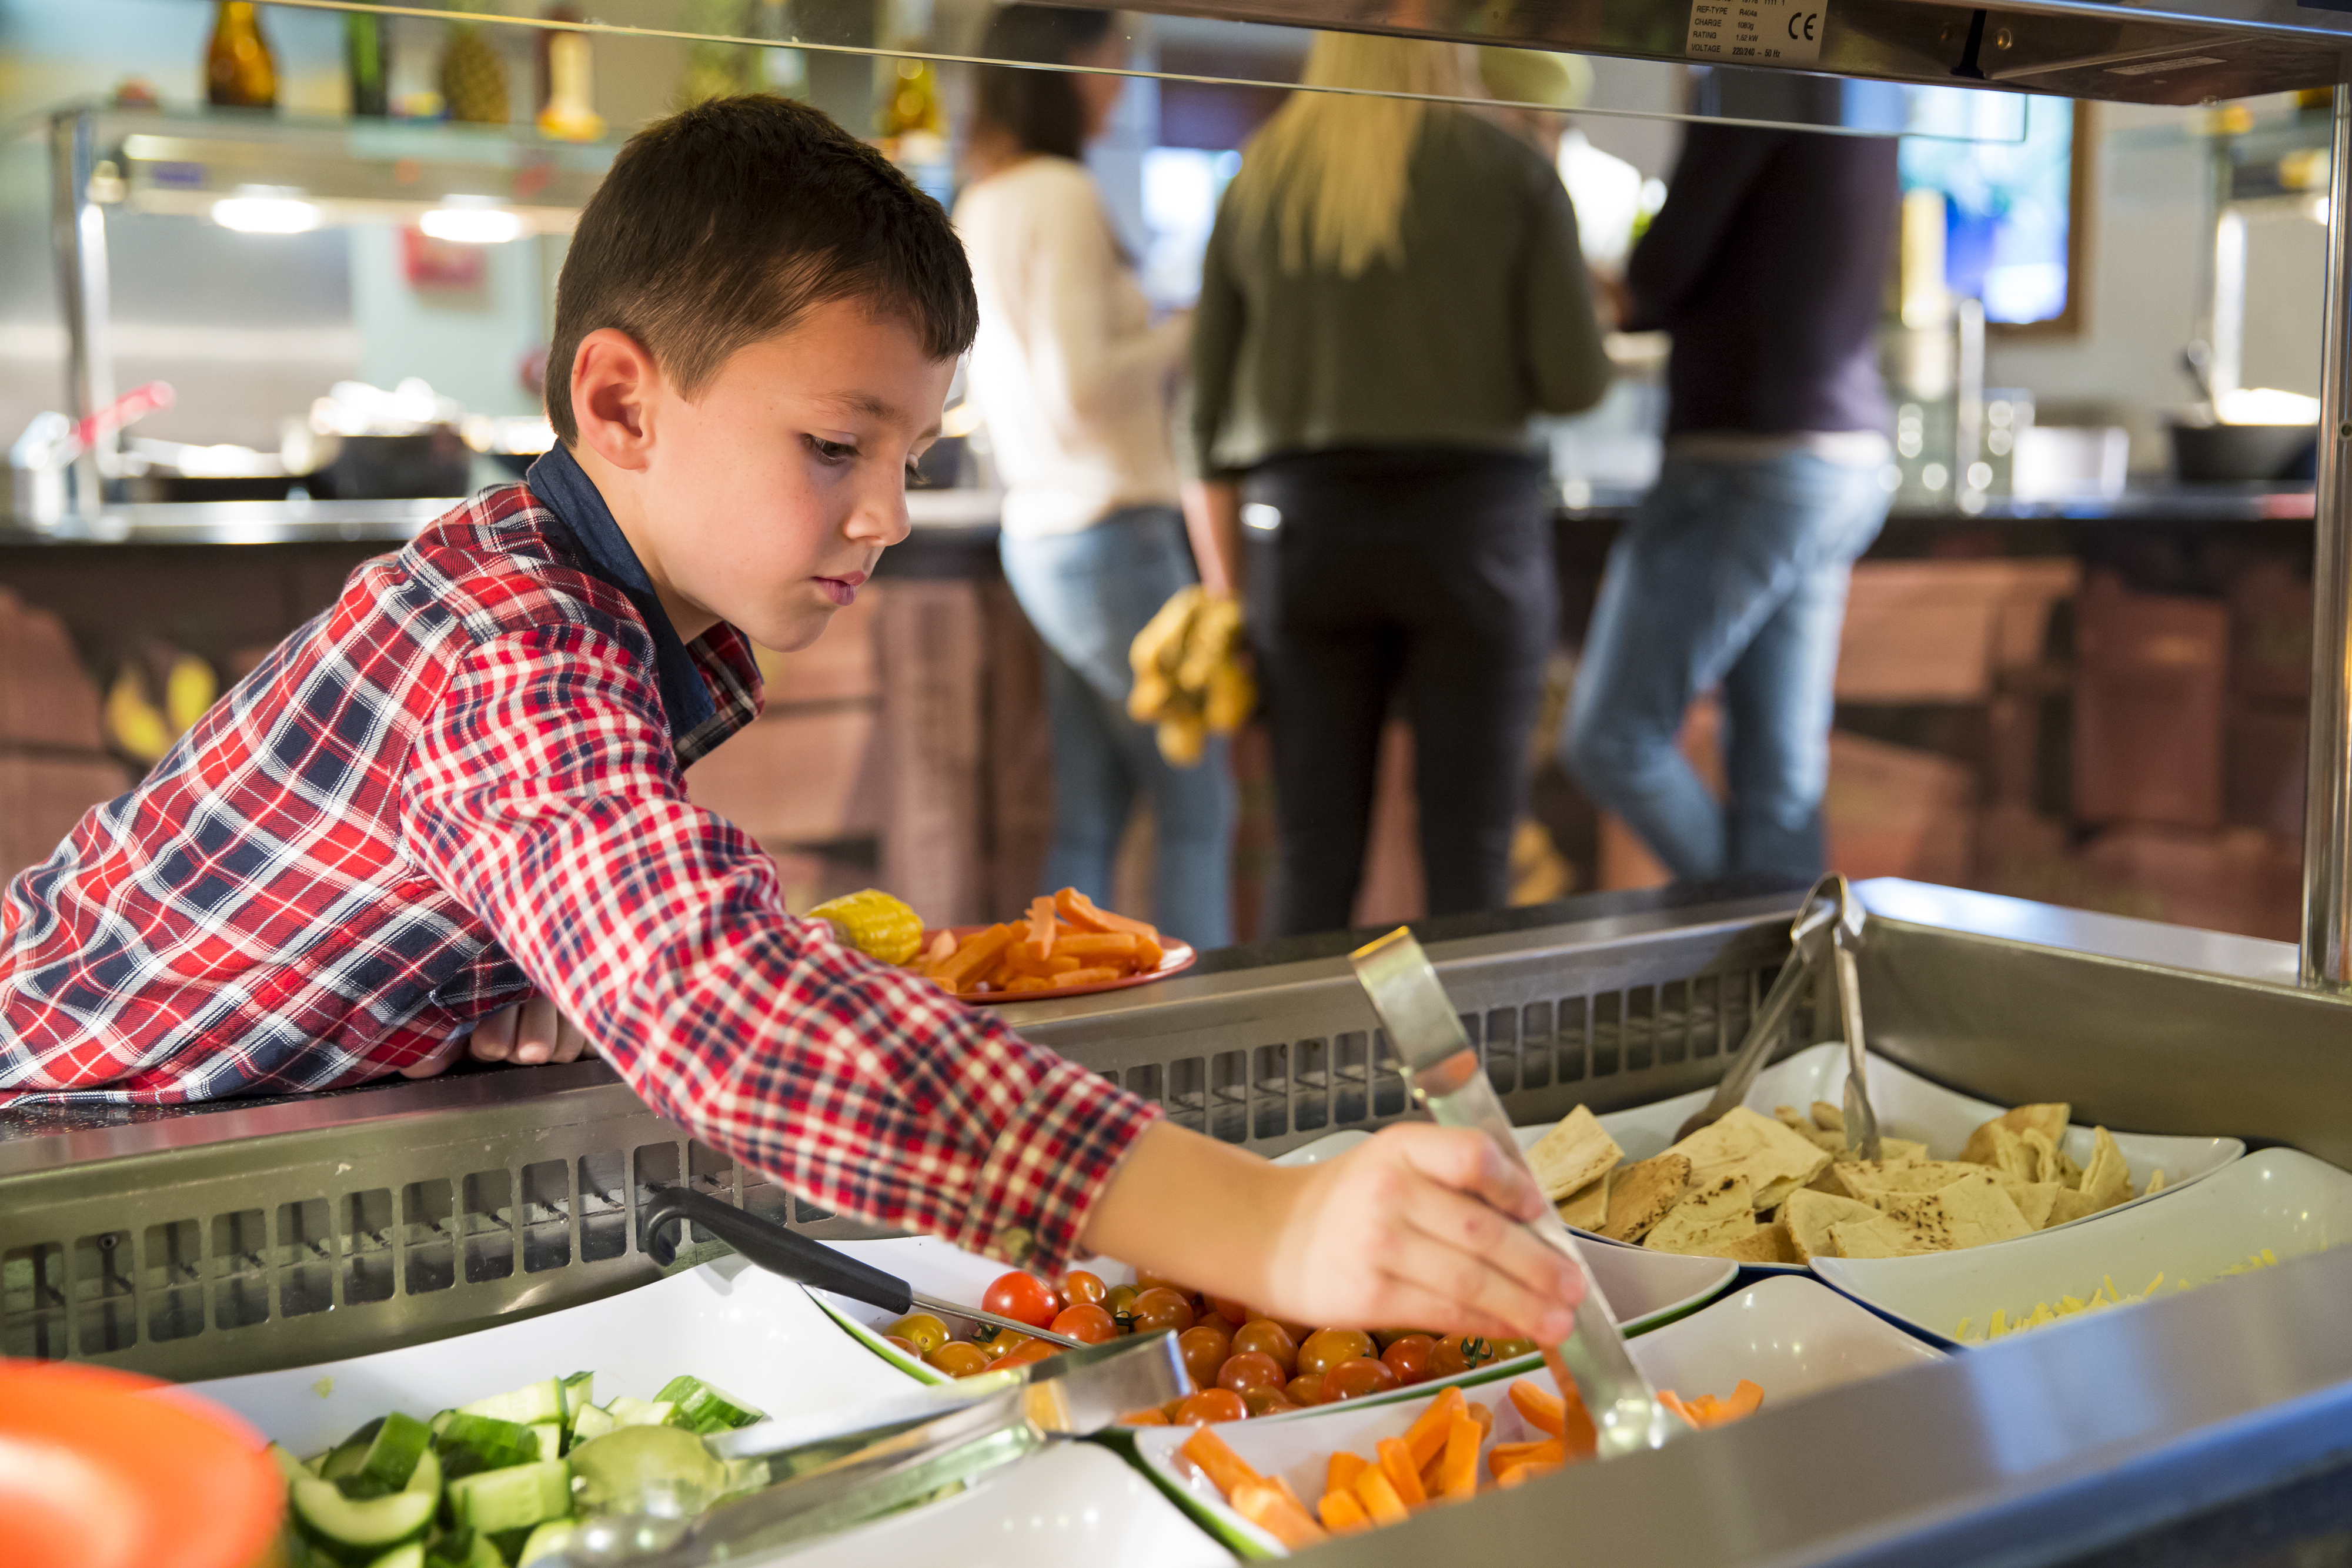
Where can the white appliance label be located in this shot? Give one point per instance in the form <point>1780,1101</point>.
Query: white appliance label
<point>1785,32</point>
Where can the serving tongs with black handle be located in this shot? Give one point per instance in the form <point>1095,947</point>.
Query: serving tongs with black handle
<point>787,1252</point>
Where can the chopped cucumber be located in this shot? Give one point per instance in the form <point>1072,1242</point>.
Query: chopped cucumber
<point>389,1460</point>
<point>628,1412</point>
<point>369,1525</point>
<point>471,1444</point>
<point>706,1408</point>
<point>592,1421</point>
<point>409,1557</point>
<point>551,1438</point>
<point>546,1541</point>
<point>648,1469</point>
<point>541,1401</point>
<point>289,1469</point>
<point>440,1423</point>
<point>465,1549</point>
<point>344,1461</point>
<point>515,1498</point>
<point>579,1389</point>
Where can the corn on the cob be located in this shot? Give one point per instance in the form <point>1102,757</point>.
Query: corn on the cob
<point>876,923</point>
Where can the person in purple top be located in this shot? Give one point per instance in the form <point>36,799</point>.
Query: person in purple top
<point>1767,264</point>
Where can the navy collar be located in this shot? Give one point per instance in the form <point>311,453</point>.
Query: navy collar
<point>558,480</point>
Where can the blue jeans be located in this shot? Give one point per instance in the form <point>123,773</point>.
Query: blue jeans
<point>1089,593</point>
<point>1729,574</point>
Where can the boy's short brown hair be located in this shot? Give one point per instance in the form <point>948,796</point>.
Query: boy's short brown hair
<point>723,224</point>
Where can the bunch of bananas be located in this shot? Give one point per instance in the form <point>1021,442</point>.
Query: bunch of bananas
<point>1188,677</point>
<point>137,726</point>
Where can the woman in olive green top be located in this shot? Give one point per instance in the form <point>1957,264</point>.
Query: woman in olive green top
<point>1392,291</point>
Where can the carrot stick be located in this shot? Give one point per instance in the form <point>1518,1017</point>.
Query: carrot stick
<point>1396,1463</point>
<point>1541,1408</point>
<point>1093,976</point>
<point>1379,1498</point>
<point>972,958</point>
<point>1506,1455</point>
<point>1344,1467</point>
<point>1576,1429</point>
<point>1282,1484</point>
<point>1426,1435</point>
<point>1457,1475</point>
<point>1745,1400</point>
<point>1225,1468</point>
<point>1101,945</point>
<point>1342,1515</point>
<point>1079,910</point>
<point>1517,1474</point>
<point>1266,1506</point>
<point>1040,924</point>
<point>1485,1416</point>
<point>1666,1397</point>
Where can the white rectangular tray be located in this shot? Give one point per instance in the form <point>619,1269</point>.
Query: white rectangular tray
<point>1794,1337</point>
<point>2280,1199</point>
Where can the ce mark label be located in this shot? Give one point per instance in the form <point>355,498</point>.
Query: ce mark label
<point>1784,32</point>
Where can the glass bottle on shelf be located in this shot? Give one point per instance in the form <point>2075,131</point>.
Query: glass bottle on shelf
<point>364,63</point>
<point>239,70</point>
<point>543,69</point>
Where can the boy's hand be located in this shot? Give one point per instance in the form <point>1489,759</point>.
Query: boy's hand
<point>529,1032</point>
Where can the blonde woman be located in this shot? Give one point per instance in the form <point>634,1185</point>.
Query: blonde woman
<point>1392,291</point>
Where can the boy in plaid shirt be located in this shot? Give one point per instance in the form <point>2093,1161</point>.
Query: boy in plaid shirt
<point>452,805</point>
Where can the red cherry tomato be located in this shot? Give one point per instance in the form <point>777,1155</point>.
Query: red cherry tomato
<point>903,1346</point>
<point>1233,1312</point>
<point>1272,1339</point>
<point>960,1358</point>
<point>1267,1402</point>
<point>1028,1351</point>
<point>1024,1298</point>
<point>1160,1310</point>
<point>1408,1358</point>
<point>1326,1348</point>
<point>1354,1379</point>
<point>1001,1343</point>
<point>1087,1322</point>
<point>1212,1404</point>
<point>1081,1289</point>
<point>1144,1418</point>
<point>1250,1369</point>
<point>1306,1391</point>
<point>1458,1353</point>
<point>1148,1278</point>
<point>1204,1347</point>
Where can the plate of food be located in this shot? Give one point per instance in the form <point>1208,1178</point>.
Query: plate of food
<point>1064,946</point>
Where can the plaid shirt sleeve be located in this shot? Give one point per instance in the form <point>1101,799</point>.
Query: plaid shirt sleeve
<point>543,796</point>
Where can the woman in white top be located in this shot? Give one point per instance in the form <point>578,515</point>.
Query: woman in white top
<point>1076,386</point>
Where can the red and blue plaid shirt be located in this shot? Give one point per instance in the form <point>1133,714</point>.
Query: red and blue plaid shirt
<point>461,781</point>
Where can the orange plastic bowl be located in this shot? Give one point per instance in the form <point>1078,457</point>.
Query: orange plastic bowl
<point>102,1468</point>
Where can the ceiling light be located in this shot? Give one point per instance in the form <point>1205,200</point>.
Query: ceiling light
<point>265,214</point>
<point>471,226</point>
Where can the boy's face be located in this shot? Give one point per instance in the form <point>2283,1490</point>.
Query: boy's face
<point>766,498</point>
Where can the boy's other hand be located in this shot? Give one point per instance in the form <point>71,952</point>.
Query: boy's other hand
<point>528,1033</point>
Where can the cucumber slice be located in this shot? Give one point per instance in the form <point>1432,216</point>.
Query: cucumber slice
<point>515,1498</point>
<point>541,1401</point>
<point>471,1444</point>
<point>551,1438</point>
<point>479,1553</point>
<point>427,1477</point>
<point>289,1469</point>
<point>579,1389</point>
<point>440,1423</point>
<point>388,1461</point>
<point>546,1541</point>
<point>706,1408</point>
<point>409,1557</point>
<point>344,1461</point>
<point>593,1421</point>
<point>628,1412</point>
<point>366,1525</point>
<point>648,1469</point>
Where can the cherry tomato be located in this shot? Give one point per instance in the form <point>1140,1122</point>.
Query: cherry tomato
<point>1459,1353</point>
<point>1160,1308</point>
<point>1143,1418</point>
<point>1271,1340</point>
<point>1250,1369</point>
<point>960,1358</point>
<point>999,1344</point>
<point>1212,1404</point>
<point>1233,1312</point>
<point>1086,1323</point>
<point>1204,1347</point>
<point>1354,1379</point>
<point>1267,1402</point>
<point>922,1330</point>
<point>1326,1348</point>
<point>1306,1391</point>
<point>1028,1351</point>
<point>1387,1337</point>
<point>1024,1298</point>
<point>1408,1357</point>
<point>1149,1280</point>
<point>1505,1349</point>
<point>1120,1304</point>
<point>903,1346</point>
<point>1081,1289</point>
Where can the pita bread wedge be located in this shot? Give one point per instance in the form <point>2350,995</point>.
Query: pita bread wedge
<point>2071,1204</point>
<point>1717,1215</point>
<point>1796,1121</point>
<point>1572,1154</point>
<point>1809,1216</point>
<point>2034,1199</point>
<point>2106,1180</point>
<point>1875,1181</point>
<point>1881,1236</point>
<point>1970,1212</point>
<point>1765,1244</point>
<point>2010,1154</point>
<point>2048,1119</point>
<point>1755,1148</point>
<point>1587,1209</point>
<point>2155,1183</point>
<point>1891,1151</point>
<point>1829,1118</point>
<point>1641,1194</point>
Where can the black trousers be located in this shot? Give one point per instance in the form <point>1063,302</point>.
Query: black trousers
<point>1424,571</point>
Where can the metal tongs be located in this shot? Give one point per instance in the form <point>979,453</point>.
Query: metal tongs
<point>1831,919</point>
<point>818,1473</point>
<point>1445,1076</point>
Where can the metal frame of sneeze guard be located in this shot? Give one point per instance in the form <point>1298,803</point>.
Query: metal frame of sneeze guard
<point>1446,1076</point>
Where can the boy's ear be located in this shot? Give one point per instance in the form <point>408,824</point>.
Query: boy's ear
<point>612,380</point>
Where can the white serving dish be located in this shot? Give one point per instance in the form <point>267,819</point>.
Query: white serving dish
<point>1075,1505</point>
<point>1909,1106</point>
<point>745,1330</point>
<point>2281,1199</point>
<point>1646,1288</point>
<point>1794,1337</point>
